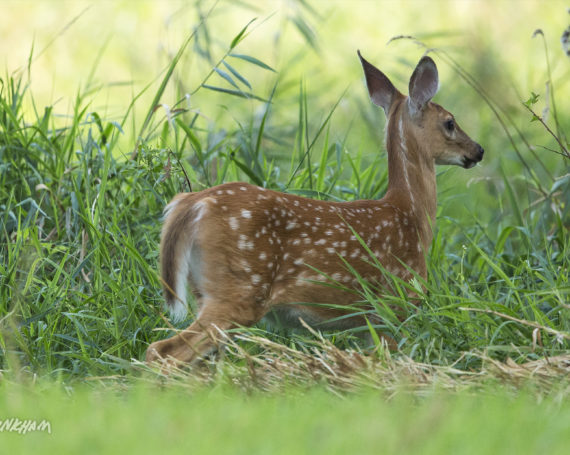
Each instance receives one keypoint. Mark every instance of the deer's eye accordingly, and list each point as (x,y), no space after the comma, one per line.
(449,125)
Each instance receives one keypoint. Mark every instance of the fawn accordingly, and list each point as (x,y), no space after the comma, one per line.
(247,251)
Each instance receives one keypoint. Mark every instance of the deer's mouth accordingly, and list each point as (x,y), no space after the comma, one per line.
(469,162)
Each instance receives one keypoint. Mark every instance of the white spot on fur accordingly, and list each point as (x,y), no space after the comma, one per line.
(234,224)
(244,243)
(245,266)
(245,213)
(291,225)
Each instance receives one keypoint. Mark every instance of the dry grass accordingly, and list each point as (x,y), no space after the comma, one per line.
(276,368)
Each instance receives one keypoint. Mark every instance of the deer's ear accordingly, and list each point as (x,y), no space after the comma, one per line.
(379,86)
(423,83)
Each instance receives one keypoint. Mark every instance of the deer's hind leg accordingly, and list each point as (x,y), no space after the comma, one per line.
(197,340)
(203,335)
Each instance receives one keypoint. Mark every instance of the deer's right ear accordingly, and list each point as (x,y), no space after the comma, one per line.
(423,83)
(379,86)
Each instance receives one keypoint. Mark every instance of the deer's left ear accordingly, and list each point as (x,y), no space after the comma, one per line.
(423,83)
(381,90)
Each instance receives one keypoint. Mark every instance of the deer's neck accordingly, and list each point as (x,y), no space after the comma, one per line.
(411,174)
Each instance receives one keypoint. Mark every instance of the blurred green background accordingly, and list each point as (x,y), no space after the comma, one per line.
(111,50)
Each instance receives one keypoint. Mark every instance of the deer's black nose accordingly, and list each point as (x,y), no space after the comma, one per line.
(480,152)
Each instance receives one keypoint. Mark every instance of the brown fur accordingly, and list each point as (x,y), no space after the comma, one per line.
(254,250)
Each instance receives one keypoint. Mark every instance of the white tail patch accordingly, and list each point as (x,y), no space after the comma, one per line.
(189,263)
(178,311)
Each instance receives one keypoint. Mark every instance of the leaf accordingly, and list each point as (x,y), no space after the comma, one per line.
(190,134)
(498,270)
(306,31)
(254,178)
(234,92)
(373,333)
(241,34)
(532,100)
(242,79)
(534,118)
(226,76)
(253,60)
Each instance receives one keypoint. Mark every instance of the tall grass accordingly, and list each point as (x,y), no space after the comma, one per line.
(80,220)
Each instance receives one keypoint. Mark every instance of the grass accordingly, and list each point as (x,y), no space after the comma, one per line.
(80,205)
(172,421)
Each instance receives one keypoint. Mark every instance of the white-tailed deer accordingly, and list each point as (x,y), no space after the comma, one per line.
(246,251)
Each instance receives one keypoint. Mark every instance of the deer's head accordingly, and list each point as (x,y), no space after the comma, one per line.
(431,128)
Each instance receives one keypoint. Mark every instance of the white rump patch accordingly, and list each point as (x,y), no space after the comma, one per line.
(200,209)
(170,208)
